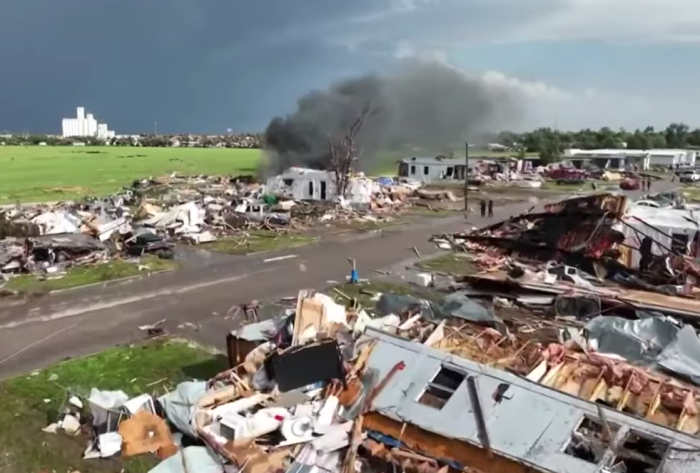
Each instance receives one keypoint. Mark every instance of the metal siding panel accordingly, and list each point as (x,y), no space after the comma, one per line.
(383,358)
(451,418)
(532,426)
(533,423)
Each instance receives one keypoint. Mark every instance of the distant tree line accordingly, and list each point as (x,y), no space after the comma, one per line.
(245,140)
(549,144)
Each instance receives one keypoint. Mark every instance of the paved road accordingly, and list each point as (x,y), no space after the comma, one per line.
(36,333)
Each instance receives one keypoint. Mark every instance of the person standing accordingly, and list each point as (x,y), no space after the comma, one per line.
(483,208)
(648,184)
(490,208)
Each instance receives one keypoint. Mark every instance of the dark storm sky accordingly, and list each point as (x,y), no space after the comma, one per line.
(198,66)
(203,65)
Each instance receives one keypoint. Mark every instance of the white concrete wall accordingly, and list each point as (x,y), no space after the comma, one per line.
(308,186)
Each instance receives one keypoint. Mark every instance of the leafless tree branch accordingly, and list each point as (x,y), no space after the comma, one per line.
(344,153)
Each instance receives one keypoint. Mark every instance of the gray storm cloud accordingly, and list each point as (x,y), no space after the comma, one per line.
(425,105)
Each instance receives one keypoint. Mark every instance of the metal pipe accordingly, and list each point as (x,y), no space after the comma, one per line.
(478,415)
(466,178)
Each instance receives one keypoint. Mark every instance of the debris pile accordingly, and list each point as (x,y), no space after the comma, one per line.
(296,395)
(362,389)
(153,214)
(554,336)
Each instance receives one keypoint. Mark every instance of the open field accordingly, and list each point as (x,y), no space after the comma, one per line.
(53,173)
(33,401)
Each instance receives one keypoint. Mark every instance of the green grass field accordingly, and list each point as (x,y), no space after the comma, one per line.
(51,173)
(54,173)
(33,401)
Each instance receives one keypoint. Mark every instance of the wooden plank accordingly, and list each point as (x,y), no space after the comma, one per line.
(436,446)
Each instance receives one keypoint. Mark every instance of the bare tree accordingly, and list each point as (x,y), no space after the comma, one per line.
(344,153)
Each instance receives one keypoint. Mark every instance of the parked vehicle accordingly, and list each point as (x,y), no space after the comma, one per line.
(567,174)
(690,176)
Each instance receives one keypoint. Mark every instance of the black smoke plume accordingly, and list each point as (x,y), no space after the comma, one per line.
(423,105)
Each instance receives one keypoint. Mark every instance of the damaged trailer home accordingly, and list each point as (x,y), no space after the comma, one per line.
(571,231)
(492,421)
(604,236)
(668,231)
(311,184)
(412,386)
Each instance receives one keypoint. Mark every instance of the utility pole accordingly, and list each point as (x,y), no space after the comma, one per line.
(466,178)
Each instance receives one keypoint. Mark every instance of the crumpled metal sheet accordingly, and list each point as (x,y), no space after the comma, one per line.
(454,305)
(682,355)
(640,340)
(70,242)
(657,342)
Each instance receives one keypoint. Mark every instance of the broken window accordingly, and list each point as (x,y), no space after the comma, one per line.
(426,170)
(679,244)
(441,388)
(590,440)
(288,182)
(640,453)
(450,171)
(413,170)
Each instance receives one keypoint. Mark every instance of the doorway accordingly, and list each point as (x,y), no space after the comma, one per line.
(323,190)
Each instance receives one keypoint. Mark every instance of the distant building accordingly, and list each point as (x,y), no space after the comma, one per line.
(641,158)
(432,169)
(84,126)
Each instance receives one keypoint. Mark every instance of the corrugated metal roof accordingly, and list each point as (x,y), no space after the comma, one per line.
(531,425)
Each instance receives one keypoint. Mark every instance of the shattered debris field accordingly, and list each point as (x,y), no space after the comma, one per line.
(53,173)
(32,399)
(577,324)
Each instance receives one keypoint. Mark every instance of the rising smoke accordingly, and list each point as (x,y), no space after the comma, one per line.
(423,105)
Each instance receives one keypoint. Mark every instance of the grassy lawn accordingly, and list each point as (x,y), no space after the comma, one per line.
(51,173)
(31,402)
(255,242)
(367,226)
(691,193)
(457,264)
(84,275)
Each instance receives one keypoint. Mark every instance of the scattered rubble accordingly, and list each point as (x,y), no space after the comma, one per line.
(573,329)
(153,214)
(426,386)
